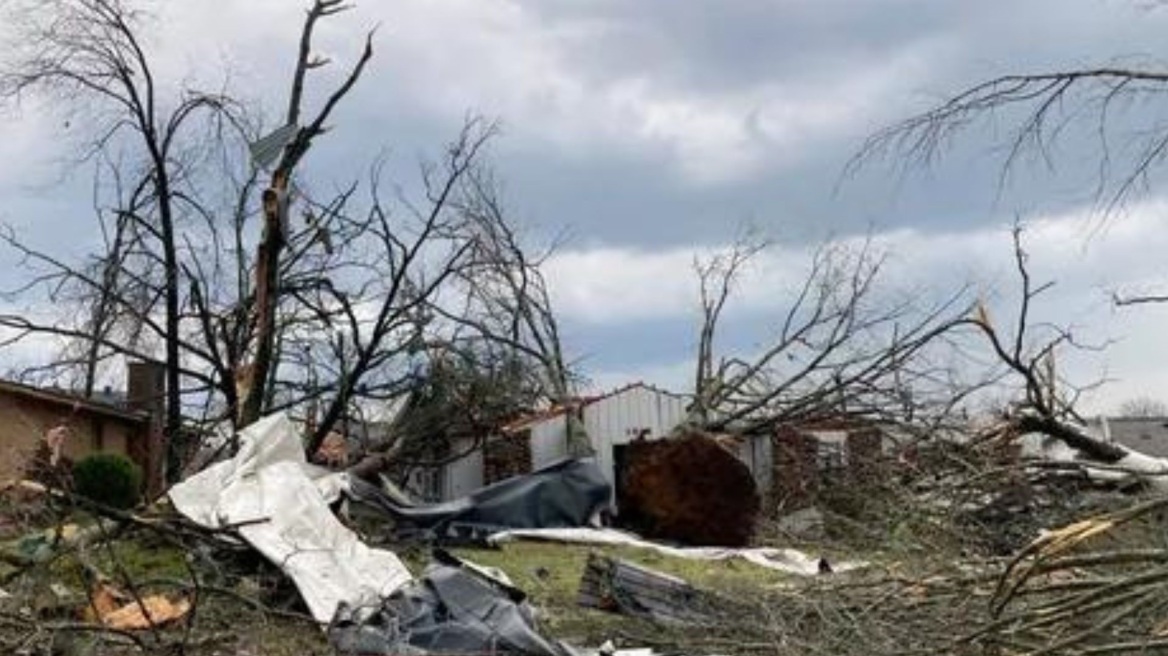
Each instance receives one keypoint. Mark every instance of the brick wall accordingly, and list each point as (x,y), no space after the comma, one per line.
(801,470)
(505,456)
(866,461)
(795,477)
(24,422)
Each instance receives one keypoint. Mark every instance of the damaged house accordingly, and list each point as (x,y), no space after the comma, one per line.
(788,464)
(610,420)
(808,456)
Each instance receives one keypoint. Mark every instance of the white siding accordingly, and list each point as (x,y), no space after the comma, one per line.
(462,476)
(549,441)
(620,418)
(615,419)
(757,452)
(425,484)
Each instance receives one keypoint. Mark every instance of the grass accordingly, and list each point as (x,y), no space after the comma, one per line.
(550,574)
(224,623)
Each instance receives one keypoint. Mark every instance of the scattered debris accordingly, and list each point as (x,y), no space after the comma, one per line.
(619,586)
(790,561)
(268,491)
(805,524)
(118,610)
(688,489)
(452,609)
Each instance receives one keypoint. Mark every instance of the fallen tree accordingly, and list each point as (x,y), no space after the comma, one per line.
(1047,403)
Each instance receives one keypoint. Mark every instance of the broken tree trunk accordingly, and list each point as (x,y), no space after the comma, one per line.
(1115,460)
(688,489)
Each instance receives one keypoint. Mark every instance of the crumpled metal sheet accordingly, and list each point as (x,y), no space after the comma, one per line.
(452,609)
(279,505)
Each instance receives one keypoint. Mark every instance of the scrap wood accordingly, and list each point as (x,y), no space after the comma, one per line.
(104,599)
(115,609)
(153,611)
(23,485)
(616,585)
(1037,556)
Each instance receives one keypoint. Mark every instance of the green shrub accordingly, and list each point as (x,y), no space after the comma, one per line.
(108,478)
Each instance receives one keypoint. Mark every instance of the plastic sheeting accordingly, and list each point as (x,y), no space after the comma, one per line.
(569,493)
(279,505)
(791,561)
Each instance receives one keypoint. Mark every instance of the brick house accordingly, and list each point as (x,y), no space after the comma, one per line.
(100,424)
(810,455)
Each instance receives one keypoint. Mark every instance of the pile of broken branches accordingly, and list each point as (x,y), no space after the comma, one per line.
(78,577)
(1095,586)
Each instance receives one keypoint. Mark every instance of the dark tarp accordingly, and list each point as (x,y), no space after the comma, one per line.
(453,609)
(566,494)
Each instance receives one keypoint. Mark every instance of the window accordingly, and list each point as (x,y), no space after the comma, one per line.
(831,451)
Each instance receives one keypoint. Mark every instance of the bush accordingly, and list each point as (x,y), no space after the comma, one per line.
(109,479)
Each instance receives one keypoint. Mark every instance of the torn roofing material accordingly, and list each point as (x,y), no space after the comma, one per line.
(269,493)
(452,609)
(566,494)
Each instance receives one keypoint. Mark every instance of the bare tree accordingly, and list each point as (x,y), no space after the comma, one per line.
(1106,107)
(1144,407)
(336,306)
(716,278)
(491,339)
(1044,109)
(1046,403)
(276,203)
(507,306)
(840,349)
(1029,352)
(89,52)
(1098,100)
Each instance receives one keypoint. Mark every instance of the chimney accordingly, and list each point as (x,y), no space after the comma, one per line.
(146,392)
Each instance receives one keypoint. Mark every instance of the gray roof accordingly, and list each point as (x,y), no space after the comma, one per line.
(1148,435)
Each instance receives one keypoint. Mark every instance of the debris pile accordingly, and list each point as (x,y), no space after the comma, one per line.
(1094,586)
(565,494)
(452,609)
(619,586)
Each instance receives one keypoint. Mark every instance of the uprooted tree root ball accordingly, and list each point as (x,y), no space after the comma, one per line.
(690,490)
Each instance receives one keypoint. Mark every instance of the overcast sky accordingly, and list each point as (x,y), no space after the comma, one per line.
(648,131)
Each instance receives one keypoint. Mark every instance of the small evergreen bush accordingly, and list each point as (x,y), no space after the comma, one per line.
(110,479)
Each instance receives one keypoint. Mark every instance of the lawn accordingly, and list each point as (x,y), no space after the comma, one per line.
(550,574)
(247,608)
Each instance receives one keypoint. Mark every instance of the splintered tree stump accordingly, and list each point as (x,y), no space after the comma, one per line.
(688,489)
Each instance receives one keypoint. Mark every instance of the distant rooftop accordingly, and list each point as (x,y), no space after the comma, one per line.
(107,403)
(1148,435)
